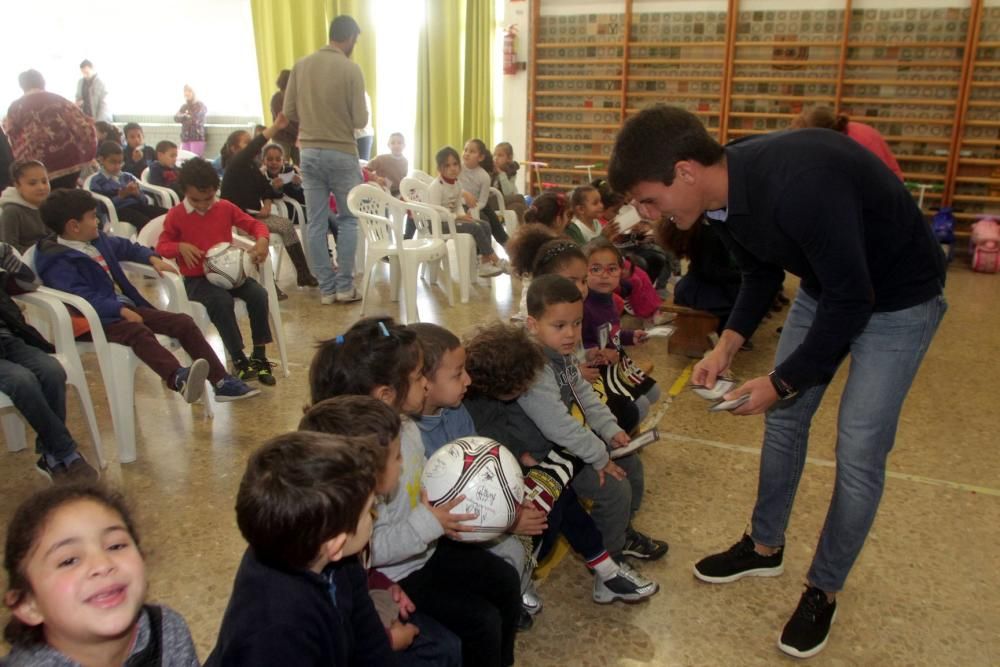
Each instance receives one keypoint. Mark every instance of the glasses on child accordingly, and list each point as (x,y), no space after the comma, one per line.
(610,269)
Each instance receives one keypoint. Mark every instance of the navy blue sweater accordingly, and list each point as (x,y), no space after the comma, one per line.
(288,617)
(821,206)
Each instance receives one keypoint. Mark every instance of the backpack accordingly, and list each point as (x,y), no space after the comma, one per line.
(986,246)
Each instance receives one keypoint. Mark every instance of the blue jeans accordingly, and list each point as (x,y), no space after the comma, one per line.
(885,357)
(435,646)
(36,384)
(324,171)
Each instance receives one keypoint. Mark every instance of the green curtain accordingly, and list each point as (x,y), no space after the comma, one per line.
(285,31)
(439,81)
(477,116)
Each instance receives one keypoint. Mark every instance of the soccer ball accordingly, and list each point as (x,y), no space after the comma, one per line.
(487,474)
(224,266)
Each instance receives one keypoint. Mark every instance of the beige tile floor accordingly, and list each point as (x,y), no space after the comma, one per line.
(923,591)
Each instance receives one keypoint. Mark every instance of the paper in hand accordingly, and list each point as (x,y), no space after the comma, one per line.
(635,444)
(722,387)
(286,177)
(662,331)
(627,218)
(723,406)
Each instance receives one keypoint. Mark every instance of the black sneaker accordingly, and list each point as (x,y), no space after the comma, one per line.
(807,630)
(262,367)
(245,371)
(524,620)
(642,546)
(77,470)
(739,561)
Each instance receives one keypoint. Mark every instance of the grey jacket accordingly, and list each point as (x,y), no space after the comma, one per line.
(98,98)
(20,223)
(405,533)
(558,392)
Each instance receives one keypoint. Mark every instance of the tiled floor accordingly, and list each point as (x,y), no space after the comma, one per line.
(923,591)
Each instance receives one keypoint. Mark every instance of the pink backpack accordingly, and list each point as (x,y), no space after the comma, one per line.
(986,246)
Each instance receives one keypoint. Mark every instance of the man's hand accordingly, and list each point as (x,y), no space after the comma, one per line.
(281,122)
(401,635)
(162,266)
(530,521)
(718,360)
(130,315)
(762,396)
(259,252)
(403,601)
(612,469)
(452,523)
(190,254)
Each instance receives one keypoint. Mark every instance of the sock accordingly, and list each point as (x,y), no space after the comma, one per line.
(66,460)
(258,352)
(603,566)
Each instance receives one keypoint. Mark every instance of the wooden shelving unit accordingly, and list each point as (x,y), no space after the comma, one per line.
(928,78)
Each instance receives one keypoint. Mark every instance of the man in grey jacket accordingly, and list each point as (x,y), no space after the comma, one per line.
(91,94)
(326,97)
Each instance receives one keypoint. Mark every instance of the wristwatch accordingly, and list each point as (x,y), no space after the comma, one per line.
(783,389)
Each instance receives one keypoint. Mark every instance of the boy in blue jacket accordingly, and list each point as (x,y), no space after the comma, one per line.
(83,261)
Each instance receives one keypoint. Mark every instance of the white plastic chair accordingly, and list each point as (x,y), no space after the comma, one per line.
(184,155)
(382,218)
(117,362)
(48,314)
(506,215)
(116,227)
(165,197)
(178,301)
(421,176)
(413,190)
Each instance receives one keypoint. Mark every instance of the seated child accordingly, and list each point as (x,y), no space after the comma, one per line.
(445,419)
(474,179)
(391,166)
(502,362)
(82,260)
(586,205)
(122,187)
(34,381)
(194,226)
(465,587)
(568,412)
(77,586)
(636,243)
(138,155)
(504,175)
(248,188)
(277,171)
(20,224)
(299,596)
(416,637)
(163,170)
(623,379)
(446,192)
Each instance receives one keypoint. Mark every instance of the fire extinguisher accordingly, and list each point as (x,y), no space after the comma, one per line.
(509,50)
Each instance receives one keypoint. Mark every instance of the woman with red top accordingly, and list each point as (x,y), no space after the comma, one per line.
(866,135)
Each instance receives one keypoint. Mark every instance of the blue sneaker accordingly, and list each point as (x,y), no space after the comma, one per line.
(233,389)
(190,382)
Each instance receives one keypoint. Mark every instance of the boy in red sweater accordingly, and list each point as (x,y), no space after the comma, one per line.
(194,226)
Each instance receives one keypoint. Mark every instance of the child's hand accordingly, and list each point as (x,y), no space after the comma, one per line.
(277,183)
(469,200)
(452,523)
(611,230)
(612,469)
(639,336)
(190,254)
(136,153)
(281,121)
(131,189)
(620,440)
(528,461)
(265,209)
(403,601)
(296,179)
(590,373)
(130,315)
(161,265)
(259,252)
(530,521)
(401,635)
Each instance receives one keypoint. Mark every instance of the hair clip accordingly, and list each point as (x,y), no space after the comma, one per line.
(384,329)
(339,340)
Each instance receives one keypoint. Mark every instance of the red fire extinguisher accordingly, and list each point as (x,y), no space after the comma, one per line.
(509,50)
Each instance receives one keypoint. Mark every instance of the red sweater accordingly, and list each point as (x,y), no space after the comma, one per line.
(204,231)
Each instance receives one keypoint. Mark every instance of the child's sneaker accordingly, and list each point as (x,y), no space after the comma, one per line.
(233,389)
(530,601)
(244,371)
(627,586)
(489,269)
(642,546)
(74,468)
(190,382)
(262,367)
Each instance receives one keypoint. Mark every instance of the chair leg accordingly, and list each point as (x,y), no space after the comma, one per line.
(121,396)
(444,275)
(88,411)
(409,275)
(394,271)
(13,430)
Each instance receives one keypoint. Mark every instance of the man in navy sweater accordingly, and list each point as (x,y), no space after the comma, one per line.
(818,205)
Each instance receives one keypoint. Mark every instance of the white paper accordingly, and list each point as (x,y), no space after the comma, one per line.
(730,405)
(721,388)
(636,443)
(628,217)
(287,177)
(662,331)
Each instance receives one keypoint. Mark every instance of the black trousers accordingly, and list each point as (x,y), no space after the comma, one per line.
(219,304)
(474,594)
(139,214)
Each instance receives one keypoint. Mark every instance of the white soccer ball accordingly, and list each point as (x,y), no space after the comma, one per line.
(224,266)
(487,474)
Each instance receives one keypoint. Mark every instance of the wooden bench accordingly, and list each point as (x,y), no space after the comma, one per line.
(693,328)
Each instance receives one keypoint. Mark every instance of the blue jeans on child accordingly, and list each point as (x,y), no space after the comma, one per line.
(885,357)
(36,384)
(324,171)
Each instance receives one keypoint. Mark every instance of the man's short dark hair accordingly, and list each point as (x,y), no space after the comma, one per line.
(550,290)
(31,79)
(165,145)
(502,359)
(199,174)
(300,490)
(63,205)
(109,148)
(435,341)
(86,63)
(366,420)
(343,28)
(653,141)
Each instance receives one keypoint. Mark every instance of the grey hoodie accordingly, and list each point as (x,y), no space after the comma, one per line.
(20,223)
(559,392)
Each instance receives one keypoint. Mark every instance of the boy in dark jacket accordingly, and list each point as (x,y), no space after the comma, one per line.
(83,261)
(300,595)
(34,381)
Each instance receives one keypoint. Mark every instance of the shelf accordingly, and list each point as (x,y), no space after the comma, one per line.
(589,142)
(852,62)
(918,176)
(573,156)
(577,45)
(903,119)
(676,61)
(683,45)
(910,101)
(921,158)
(981,142)
(977,198)
(978,160)
(703,114)
(983,123)
(578,91)
(672,94)
(984,84)
(577,126)
(917,139)
(643,77)
(578,109)
(797,63)
(569,77)
(743,131)
(578,172)
(784,79)
(931,83)
(973,179)
(761,114)
(579,61)
(780,98)
(903,45)
(742,44)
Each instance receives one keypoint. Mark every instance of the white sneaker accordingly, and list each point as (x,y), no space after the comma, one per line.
(349,297)
(327,299)
(505,266)
(628,586)
(530,601)
(489,270)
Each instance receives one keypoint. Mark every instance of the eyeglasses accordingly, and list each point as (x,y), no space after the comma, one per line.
(610,269)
